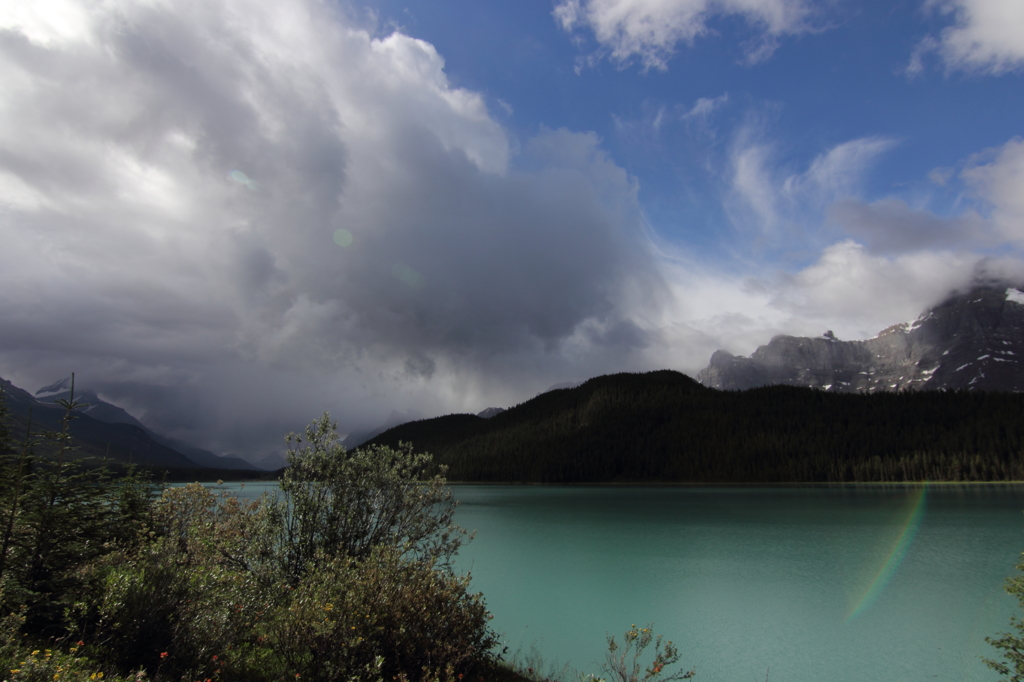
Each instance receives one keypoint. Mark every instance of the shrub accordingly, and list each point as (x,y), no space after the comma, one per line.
(22,662)
(1011,645)
(346,578)
(185,597)
(345,503)
(385,613)
(623,662)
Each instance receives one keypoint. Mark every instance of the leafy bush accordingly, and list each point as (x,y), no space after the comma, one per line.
(21,662)
(346,578)
(624,665)
(181,598)
(344,503)
(1011,645)
(384,613)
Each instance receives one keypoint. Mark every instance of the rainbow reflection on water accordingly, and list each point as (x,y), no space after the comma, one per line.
(914,507)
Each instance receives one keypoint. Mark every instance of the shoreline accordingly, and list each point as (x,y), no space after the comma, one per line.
(682,484)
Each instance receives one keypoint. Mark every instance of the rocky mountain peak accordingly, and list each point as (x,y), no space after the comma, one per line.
(972,340)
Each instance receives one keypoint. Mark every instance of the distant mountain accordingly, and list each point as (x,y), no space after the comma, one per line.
(270,462)
(357,438)
(665,427)
(122,443)
(103,430)
(490,412)
(971,341)
(106,412)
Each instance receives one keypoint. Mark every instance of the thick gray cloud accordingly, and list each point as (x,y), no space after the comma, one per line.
(890,226)
(231,215)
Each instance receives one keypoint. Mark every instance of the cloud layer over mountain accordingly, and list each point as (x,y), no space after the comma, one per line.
(230,215)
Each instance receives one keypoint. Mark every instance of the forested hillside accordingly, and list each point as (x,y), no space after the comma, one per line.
(664,426)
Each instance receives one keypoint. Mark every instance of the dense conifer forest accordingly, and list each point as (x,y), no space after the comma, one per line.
(665,427)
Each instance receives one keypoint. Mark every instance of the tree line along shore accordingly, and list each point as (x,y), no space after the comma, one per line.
(665,427)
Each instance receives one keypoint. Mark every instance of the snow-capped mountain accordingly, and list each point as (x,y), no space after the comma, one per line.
(972,341)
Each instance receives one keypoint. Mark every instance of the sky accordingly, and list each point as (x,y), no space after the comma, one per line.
(228,216)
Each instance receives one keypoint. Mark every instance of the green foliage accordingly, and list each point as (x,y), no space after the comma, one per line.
(22,661)
(345,503)
(624,664)
(346,578)
(383,612)
(185,595)
(1011,645)
(56,515)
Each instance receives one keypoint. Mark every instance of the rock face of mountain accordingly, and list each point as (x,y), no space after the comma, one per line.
(972,341)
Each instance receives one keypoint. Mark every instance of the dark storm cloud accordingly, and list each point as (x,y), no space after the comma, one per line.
(229,216)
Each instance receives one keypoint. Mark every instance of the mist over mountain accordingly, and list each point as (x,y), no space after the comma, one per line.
(973,340)
(104,430)
(357,438)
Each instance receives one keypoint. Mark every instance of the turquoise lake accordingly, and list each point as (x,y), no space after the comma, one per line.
(796,584)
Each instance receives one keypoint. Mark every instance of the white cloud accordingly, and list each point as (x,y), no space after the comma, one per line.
(857,294)
(705,106)
(846,289)
(755,187)
(838,172)
(232,214)
(651,29)
(771,200)
(997,177)
(985,37)
(46,22)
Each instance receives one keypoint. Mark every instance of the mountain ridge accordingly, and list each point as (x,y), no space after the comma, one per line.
(972,340)
(106,431)
(662,427)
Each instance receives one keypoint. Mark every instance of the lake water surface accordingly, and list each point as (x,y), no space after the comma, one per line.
(796,584)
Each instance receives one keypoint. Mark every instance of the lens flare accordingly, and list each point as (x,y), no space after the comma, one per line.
(342,237)
(407,275)
(912,521)
(242,179)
